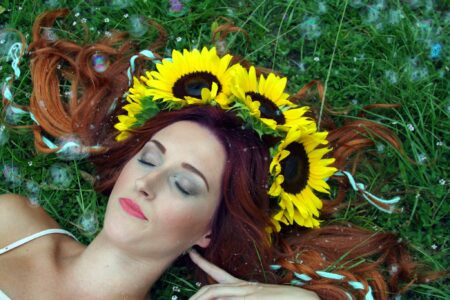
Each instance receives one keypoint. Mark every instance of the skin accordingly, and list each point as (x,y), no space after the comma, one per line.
(130,254)
(231,288)
(161,175)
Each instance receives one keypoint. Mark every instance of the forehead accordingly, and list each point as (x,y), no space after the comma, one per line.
(189,142)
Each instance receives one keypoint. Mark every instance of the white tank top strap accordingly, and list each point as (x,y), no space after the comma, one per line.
(32,237)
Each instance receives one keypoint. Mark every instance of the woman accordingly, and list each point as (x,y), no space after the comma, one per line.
(163,203)
(229,169)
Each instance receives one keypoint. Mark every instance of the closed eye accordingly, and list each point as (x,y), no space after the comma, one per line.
(182,190)
(179,187)
(146,162)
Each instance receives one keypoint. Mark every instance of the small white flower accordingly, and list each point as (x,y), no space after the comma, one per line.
(421,158)
(174,297)
(30,163)
(125,16)
(74,23)
(176,288)
(108,34)
(434,246)
(20,7)
(355,101)
(179,39)
(316,58)
(393,269)
(410,127)
(106,20)
(442,181)
(439,144)
(77,14)
(83,20)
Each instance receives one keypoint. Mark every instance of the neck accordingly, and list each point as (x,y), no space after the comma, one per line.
(103,271)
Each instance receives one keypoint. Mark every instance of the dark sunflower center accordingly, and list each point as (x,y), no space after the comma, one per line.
(295,169)
(192,84)
(268,109)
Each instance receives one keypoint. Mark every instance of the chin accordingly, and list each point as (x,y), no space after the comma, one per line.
(120,228)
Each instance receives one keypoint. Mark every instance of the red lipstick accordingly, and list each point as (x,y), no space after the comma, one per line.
(132,208)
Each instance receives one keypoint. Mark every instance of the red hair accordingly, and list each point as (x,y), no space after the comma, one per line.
(239,244)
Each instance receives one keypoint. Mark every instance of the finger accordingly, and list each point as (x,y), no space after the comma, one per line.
(225,291)
(212,270)
(213,291)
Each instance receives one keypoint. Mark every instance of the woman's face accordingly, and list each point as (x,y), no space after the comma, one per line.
(166,196)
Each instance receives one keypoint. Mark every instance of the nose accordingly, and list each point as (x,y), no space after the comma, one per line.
(146,188)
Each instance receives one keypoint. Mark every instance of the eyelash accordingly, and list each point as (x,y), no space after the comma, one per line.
(183,191)
(145,162)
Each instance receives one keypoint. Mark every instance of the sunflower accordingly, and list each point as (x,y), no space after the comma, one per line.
(140,107)
(266,100)
(125,123)
(192,77)
(298,168)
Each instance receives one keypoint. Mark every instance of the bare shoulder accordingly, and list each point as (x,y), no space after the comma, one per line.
(19,218)
(11,206)
(12,201)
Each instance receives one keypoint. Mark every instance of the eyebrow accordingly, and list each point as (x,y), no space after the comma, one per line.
(160,146)
(184,165)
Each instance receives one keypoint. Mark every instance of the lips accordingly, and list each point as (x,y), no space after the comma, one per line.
(132,208)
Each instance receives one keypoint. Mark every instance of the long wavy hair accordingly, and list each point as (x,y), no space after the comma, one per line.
(239,243)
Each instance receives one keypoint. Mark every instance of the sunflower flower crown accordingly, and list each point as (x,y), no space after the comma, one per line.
(298,167)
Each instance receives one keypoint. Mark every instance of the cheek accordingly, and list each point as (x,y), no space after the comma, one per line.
(187,220)
(124,181)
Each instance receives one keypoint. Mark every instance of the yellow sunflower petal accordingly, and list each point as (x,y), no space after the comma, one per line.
(122,136)
(133,108)
(287,201)
(275,188)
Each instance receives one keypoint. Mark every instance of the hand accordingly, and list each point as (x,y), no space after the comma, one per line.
(232,288)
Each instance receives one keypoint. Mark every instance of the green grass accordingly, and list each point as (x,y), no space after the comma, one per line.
(372,60)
